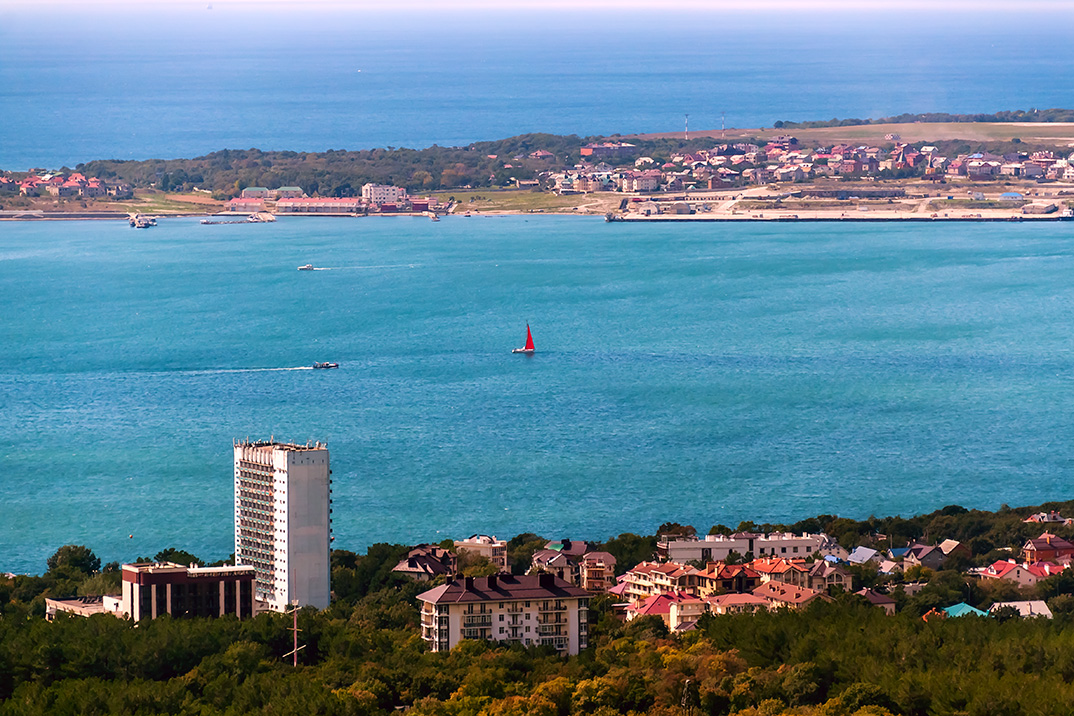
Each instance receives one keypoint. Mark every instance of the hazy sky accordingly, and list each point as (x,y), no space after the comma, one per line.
(968,6)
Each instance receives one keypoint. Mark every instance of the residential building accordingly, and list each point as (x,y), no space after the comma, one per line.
(674,608)
(1010,571)
(788,596)
(933,556)
(378,194)
(256,192)
(426,561)
(525,609)
(863,555)
(607,149)
(597,572)
(721,578)
(492,549)
(1048,548)
(557,563)
(877,599)
(1026,609)
(826,576)
(716,548)
(963,610)
(786,571)
(736,603)
(153,589)
(283,521)
(650,578)
(290,192)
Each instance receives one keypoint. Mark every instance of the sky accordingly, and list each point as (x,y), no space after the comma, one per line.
(411,6)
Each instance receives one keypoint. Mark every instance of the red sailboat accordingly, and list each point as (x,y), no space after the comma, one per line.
(528,350)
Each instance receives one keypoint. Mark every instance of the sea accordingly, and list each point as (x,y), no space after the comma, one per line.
(699,373)
(84,81)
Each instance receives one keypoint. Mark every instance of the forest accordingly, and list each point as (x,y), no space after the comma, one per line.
(363,655)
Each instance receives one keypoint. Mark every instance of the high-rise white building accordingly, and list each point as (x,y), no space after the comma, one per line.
(283,521)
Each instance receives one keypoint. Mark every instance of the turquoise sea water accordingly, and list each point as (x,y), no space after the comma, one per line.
(162,80)
(698,373)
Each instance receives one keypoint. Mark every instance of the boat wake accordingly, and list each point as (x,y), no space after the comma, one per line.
(217,371)
(367,268)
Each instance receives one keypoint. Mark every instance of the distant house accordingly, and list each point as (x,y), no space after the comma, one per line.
(788,596)
(719,578)
(256,192)
(933,556)
(1026,609)
(1051,517)
(245,205)
(1047,548)
(425,562)
(552,562)
(542,155)
(825,575)
(607,149)
(877,599)
(686,607)
(596,571)
(290,192)
(492,549)
(736,603)
(863,555)
(963,610)
(1010,571)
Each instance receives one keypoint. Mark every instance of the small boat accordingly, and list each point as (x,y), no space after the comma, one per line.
(323,366)
(528,349)
(307,267)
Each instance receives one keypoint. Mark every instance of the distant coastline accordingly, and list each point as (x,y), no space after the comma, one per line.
(915,167)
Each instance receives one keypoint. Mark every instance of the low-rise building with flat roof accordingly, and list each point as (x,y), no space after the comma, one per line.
(151,589)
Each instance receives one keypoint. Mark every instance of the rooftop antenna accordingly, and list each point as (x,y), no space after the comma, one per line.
(686,136)
(294,652)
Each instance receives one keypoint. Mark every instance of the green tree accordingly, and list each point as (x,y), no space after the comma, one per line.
(74,557)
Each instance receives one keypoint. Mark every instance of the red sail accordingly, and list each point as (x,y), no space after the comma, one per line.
(529,338)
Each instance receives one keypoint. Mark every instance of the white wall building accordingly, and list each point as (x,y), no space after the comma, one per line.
(492,549)
(382,193)
(528,610)
(283,521)
(715,548)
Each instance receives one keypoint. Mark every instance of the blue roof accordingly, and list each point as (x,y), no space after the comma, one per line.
(962,609)
(1011,194)
(897,552)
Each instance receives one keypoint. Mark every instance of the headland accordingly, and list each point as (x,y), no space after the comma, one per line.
(912,168)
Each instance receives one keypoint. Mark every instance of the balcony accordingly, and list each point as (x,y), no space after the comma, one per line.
(477,620)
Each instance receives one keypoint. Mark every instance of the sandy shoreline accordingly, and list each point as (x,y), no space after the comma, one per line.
(766,216)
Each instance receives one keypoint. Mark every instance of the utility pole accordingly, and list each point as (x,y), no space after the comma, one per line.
(686,137)
(723,121)
(295,630)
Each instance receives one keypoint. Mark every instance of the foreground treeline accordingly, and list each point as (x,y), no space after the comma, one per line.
(365,658)
(364,654)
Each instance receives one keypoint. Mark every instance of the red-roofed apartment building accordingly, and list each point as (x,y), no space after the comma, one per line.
(524,609)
